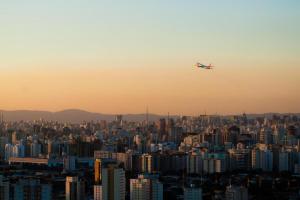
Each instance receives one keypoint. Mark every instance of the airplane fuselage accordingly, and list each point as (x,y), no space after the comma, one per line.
(199,65)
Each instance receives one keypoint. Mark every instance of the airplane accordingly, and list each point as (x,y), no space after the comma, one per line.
(199,65)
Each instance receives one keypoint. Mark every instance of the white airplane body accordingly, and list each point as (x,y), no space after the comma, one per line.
(199,65)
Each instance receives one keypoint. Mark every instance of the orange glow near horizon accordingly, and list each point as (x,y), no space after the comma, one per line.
(174,89)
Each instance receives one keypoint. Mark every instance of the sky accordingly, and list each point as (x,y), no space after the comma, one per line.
(123,56)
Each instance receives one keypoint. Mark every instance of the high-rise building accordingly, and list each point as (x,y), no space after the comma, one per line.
(139,143)
(146,187)
(140,189)
(212,165)
(265,136)
(232,134)
(236,193)
(283,161)
(8,151)
(192,193)
(49,147)
(157,190)
(1,118)
(75,188)
(162,126)
(32,189)
(36,149)
(4,188)
(262,158)
(14,138)
(194,163)
(3,142)
(239,158)
(119,120)
(97,192)
(113,183)
(69,163)
(17,150)
(146,161)
(97,171)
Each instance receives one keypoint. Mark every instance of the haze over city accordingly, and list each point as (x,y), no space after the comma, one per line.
(121,57)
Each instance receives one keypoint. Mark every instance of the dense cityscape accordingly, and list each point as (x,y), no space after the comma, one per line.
(200,157)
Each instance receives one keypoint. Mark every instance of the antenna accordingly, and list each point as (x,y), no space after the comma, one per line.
(147,118)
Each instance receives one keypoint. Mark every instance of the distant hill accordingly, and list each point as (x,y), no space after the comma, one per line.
(77,116)
(72,115)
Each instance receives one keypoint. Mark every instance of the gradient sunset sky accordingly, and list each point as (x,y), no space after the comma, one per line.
(122,56)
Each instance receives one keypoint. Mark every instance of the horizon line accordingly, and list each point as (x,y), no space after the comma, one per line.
(159,114)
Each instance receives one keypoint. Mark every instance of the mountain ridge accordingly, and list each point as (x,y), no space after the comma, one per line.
(79,115)
(72,115)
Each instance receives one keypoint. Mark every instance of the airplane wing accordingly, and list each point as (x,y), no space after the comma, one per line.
(199,65)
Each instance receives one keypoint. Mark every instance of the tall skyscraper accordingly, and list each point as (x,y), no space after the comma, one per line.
(97,170)
(75,188)
(113,183)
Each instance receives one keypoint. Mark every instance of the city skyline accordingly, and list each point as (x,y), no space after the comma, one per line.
(122,57)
